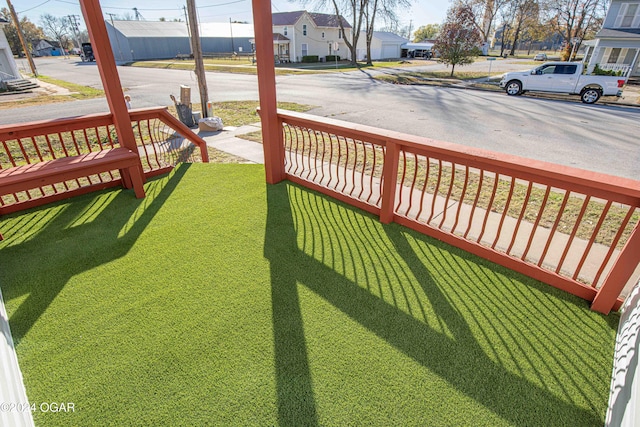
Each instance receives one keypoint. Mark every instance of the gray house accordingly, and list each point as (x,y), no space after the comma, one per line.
(141,40)
(617,45)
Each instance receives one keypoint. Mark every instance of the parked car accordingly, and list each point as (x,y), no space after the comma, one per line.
(540,57)
(563,77)
(87,53)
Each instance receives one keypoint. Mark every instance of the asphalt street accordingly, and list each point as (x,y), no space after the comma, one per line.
(594,137)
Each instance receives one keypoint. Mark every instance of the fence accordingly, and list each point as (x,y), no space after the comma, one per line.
(162,140)
(570,228)
(625,69)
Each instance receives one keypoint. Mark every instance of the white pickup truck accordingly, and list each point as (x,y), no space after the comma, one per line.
(563,77)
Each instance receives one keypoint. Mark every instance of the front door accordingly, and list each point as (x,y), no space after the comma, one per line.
(542,78)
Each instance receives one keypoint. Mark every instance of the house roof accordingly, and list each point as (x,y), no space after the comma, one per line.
(414,46)
(385,36)
(161,29)
(608,33)
(319,19)
(277,37)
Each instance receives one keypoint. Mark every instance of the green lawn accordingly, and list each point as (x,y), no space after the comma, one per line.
(219,300)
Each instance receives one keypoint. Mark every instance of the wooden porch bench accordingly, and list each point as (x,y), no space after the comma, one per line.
(27,177)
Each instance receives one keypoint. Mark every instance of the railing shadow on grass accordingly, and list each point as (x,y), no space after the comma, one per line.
(114,221)
(520,390)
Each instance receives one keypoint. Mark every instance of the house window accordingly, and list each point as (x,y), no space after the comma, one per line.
(304,29)
(323,35)
(305,49)
(629,16)
(340,34)
(286,31)
(614,55)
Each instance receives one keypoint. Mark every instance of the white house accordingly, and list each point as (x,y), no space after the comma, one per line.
(8,67)
(617,44)
(301,33)
(384,45)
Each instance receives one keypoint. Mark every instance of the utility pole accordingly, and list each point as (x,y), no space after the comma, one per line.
(197,56)
(410,25)
(186,18)
(16,22)
(73,23)
(233,49)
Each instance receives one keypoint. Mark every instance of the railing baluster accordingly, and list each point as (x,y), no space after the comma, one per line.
(446,201)
(413,183)
(596,230)
(525,202)
(496,179)
(436,191)
(424,187)
(554,228)
(402,180)
(573,233)
(461,201)
(504,212)
(543,205)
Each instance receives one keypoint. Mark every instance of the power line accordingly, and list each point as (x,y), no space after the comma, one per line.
(35,7)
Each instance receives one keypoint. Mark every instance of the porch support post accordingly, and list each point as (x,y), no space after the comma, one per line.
(97,29)
(272,140)
(619,274)
(389,182)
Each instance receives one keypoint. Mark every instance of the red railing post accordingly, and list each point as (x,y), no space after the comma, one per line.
(389,182)
(108,73)
(272,140)
(622,270)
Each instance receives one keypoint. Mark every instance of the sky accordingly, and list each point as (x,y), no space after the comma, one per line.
(422,12)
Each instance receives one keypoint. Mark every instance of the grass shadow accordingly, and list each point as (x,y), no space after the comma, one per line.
(77,237)
(513,345)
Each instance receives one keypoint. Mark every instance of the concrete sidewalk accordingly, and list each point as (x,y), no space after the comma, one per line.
(227,141)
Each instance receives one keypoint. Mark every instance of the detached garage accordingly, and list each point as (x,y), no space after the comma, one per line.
(384,45)
(141,40)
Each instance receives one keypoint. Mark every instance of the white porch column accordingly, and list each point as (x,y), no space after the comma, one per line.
(596,57)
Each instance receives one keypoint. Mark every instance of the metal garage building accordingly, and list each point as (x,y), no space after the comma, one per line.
(140,40)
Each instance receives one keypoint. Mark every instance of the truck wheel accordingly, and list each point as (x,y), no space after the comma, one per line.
(590,96)
(514,87)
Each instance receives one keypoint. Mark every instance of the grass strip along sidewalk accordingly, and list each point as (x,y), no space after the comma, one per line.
(221,300)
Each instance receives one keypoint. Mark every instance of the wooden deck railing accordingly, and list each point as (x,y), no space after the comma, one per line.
(162,140)
(573,229)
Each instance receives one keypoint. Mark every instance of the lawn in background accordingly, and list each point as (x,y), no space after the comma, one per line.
(220,300)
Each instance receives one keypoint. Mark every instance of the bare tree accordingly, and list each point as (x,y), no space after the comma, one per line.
(575,19)
(459,37)
(384,9)
(526,11)
(485,13)
(57,29)
(362,15)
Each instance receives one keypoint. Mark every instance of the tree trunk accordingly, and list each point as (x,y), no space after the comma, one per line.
(453,67)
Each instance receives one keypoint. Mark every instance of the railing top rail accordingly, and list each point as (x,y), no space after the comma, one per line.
(616,188)
(41,127)
(163,114)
